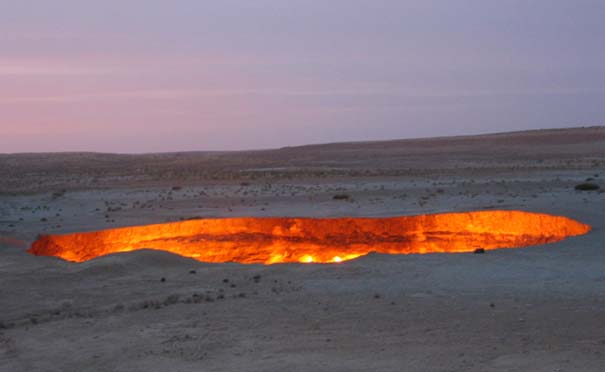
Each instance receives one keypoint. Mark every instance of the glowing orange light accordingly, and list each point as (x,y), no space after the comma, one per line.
(317,240)
(306,259)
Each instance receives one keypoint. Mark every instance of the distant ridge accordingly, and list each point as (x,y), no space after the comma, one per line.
(455,137)
(521,151)
(546,131)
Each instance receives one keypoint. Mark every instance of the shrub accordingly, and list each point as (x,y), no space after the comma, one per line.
(341,197)
(587,186)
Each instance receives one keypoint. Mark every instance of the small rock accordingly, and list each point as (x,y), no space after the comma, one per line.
(479,251)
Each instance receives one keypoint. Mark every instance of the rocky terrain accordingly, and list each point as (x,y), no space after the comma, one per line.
(539,308)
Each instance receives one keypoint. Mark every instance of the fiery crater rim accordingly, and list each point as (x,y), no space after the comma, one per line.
(271,240)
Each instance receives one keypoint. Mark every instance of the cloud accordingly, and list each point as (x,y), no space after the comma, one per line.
(39,67)
(183,94)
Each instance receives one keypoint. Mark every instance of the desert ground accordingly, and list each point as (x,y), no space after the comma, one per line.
(540,308)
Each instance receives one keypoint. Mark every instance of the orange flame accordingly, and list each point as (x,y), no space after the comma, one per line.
(318,240)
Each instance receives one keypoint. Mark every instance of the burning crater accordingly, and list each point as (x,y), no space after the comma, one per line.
(321,240)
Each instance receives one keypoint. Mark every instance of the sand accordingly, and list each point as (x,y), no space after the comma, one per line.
(540,308)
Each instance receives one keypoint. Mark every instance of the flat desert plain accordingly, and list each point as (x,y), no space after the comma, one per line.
(540,308)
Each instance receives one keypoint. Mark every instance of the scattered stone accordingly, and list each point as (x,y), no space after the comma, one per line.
(163,279)
(256,278)
(171,300)
(192,272)
(58,194)
(479,251)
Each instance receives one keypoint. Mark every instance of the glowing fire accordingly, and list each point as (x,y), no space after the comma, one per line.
(307,240)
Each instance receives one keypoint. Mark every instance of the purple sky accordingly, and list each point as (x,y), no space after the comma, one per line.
(146,76)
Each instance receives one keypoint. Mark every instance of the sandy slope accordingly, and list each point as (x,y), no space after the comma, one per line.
(538,309)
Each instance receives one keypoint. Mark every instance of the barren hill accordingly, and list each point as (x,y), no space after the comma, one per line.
(570,148)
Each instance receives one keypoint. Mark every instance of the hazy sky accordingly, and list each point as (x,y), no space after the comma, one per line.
(145,75)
